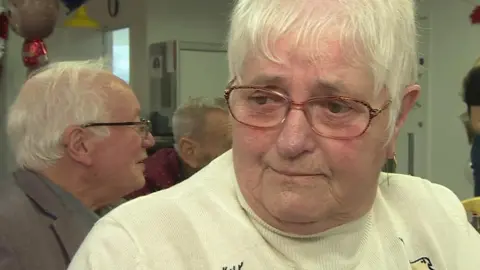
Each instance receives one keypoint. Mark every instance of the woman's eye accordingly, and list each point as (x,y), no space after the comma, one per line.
(337,107)
(259,99)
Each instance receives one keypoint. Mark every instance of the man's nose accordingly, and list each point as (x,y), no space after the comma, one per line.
(148,141)
(296,136)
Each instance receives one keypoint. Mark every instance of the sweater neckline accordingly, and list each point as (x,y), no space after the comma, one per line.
(337,248)
(349,227)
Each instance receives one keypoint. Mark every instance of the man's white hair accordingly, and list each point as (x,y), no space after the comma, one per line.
(189,119)
(381,33)
(53,98)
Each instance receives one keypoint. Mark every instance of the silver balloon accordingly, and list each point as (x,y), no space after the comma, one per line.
(33,19)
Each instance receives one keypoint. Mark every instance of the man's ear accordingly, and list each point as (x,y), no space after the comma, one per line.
(78,144)
(409,100)
(187,149)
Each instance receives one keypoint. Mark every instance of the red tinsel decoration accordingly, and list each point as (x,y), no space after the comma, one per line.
(475,16)
(3,33)
(34,53)
(3,25)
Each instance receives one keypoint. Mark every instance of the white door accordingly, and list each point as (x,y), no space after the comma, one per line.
(412,145)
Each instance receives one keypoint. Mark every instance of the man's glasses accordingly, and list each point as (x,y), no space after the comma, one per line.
(329,116)
(143,127)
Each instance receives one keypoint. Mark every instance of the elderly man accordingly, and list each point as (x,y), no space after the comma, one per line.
(319,91)
(201,130)
(79,142)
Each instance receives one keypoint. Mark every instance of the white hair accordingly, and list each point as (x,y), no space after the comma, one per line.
(189,119)
(53,98)
(381,33)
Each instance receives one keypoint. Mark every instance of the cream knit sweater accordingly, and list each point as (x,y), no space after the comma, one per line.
(204,223)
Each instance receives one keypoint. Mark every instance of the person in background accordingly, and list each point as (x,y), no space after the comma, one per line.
(319,92)
(79,144)
(201,131)
(471,88)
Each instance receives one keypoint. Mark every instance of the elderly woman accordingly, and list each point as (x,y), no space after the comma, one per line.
(319,91)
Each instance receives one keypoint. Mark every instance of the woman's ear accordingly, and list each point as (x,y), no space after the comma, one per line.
(408,102)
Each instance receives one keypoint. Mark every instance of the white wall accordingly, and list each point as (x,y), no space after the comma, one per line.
(12,74)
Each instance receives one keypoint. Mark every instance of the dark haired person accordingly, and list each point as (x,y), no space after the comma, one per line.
(471,87)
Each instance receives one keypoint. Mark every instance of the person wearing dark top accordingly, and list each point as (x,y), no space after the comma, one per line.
(162,170)
(201,130)
(471,87)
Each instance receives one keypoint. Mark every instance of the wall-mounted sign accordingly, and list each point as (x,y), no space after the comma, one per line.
(156,66)
(113,8)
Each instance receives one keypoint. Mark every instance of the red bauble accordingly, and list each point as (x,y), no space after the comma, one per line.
(34,53)
(475,16)
(3,33)
(3,25)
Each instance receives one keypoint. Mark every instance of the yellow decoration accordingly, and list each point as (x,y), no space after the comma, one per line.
(81,19)
(472,205)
